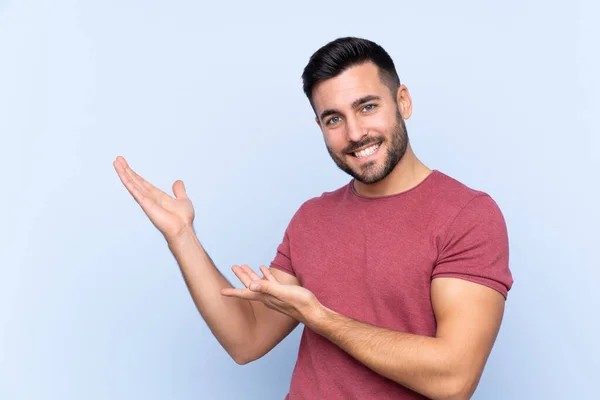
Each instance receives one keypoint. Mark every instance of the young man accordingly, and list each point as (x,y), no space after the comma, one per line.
(399,277)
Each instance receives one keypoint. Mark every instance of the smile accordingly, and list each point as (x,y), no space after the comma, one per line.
(366,152)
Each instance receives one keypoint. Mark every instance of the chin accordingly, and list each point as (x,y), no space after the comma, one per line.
(369,180)
(371,177)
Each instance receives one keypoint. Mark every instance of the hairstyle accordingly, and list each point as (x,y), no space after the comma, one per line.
(337,56)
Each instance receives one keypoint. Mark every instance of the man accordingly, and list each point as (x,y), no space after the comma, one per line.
(399,277)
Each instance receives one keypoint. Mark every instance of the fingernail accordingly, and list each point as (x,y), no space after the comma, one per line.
(254,286)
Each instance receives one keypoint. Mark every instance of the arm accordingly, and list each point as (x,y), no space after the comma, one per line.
(245,329)
(447,366)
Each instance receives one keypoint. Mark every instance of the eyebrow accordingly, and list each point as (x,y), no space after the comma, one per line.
(355,104)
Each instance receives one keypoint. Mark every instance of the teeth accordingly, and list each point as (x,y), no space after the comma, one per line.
(366,152)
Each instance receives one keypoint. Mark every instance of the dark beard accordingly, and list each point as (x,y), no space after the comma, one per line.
(370,173)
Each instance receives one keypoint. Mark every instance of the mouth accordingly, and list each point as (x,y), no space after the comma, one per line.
(365,152)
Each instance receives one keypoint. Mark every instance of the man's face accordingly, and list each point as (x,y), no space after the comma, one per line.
(361,122)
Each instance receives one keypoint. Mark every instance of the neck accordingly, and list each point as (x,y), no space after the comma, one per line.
(408,173)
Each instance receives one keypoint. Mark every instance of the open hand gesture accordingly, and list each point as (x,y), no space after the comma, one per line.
(292,300)
(170,215)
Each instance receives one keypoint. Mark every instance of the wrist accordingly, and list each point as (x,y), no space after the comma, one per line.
(317,318)
(185,235)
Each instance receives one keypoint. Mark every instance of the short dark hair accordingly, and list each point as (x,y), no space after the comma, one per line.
(337,56)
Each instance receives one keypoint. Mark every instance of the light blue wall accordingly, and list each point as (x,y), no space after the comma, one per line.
(92,304)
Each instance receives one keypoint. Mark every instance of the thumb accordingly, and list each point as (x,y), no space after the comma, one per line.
(179,190)
(263,287)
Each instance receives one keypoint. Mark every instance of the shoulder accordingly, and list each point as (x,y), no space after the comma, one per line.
(453,196)
(473,240)
(327,199)
(453,192)
(322,204)
(463,206)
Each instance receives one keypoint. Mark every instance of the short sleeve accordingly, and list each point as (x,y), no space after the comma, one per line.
(475,246)
(283,257)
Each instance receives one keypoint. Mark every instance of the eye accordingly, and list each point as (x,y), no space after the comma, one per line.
(333,120)
(369,107)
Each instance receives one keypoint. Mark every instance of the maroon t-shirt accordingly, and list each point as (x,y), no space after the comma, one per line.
(373,259)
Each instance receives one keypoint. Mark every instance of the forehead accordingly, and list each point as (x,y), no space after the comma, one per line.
(355,82)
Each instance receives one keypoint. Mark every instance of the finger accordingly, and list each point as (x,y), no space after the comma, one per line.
(121,160)
(251,272)
(267,274)
(134,180)
(158,195)
(247,273)
(264,287)
(129,183)
(243,293)
(145,186)
(242,275)
(126,174)
(179,190)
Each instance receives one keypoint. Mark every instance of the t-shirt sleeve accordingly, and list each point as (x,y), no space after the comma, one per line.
(475,246)
(283,257)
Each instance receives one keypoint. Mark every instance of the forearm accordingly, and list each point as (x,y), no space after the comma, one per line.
(421,363)
(231,320)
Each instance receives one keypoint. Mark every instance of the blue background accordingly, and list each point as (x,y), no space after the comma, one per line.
(92,304)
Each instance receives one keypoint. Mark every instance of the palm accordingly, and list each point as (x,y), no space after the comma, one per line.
(169,214)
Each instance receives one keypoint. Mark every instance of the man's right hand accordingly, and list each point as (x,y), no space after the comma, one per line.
(247,330)
(170,215)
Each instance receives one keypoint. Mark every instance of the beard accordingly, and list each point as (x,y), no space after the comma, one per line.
(370,172)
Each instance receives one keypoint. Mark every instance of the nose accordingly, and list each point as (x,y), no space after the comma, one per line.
(354,131)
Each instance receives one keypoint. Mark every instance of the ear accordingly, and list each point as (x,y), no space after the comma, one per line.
(404,102)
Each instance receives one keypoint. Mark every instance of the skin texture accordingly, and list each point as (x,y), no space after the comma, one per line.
(353,124)
(249,321)
(394,147)
(246,330)
(447,366)
(468,315)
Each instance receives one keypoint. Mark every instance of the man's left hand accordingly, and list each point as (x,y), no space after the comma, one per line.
(293,300)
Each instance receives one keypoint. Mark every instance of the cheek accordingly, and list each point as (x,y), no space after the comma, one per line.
(382,125)
(335,142)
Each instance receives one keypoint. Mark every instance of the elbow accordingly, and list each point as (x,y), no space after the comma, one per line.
(240,353)
(459,387)
(242,359)
(245,352)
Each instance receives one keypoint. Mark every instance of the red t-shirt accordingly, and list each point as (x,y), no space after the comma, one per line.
(373,259)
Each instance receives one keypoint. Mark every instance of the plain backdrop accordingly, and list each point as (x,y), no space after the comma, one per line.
(92,304)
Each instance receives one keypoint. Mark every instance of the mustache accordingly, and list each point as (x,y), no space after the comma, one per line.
(352,147)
